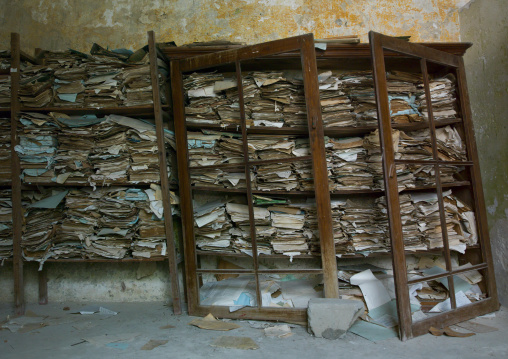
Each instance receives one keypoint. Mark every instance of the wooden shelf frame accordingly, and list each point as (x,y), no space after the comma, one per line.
(304,46)
(156,110)
(381,47)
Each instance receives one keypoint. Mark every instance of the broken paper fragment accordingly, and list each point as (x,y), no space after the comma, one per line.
(211,323)
(279,331)
(169,326)
(243,343)
(374,292)
(151,344)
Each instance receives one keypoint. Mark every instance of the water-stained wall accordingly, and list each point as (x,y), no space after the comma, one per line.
(485,24)
(62,24)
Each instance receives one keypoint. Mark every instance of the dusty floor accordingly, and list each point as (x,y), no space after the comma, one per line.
(124,334)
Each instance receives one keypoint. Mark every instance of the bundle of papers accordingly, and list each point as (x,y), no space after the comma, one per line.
(5,150)
(89,150)
(38,143)
(224,226)
(416,145)
(114,223)
(43,213)
(5,79)
(442,96)
(5,224)
(421,224)
(211,227)
(100,79)
(365,225)
(347,166)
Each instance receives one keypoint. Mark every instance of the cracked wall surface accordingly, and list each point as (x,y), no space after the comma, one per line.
(62,24)
(485,24)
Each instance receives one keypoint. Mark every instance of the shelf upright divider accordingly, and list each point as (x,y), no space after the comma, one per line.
(166,200)
(17,211)
(319,168)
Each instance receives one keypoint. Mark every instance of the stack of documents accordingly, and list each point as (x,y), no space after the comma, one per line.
(5,224)
(403,87)
(364,225)
(292,235)
(359,87)
(421,224)
(5,150)
(115,223)
(89,150)
(43,212)
(239,214)
(100,79)
(347,166)
(35,86)
(336,107)
(442,96)
(150,241)
(5,79)
(78,225)
(212,227)
(38,143)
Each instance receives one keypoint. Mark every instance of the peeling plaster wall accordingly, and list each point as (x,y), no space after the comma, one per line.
(485,23)
(60,24)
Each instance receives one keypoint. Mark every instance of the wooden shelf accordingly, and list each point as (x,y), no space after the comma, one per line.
(333,193)
(251,163)
(127,110)
(103,260)
(313,256)
(332,50)
(86,184)
(330,131)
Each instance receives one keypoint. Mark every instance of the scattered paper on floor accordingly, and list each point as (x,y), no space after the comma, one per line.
(243,343)
(211,323)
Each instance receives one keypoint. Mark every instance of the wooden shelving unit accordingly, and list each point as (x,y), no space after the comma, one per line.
(155,111)
(276,56)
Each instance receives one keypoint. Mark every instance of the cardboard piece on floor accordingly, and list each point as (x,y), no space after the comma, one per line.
(372,332)
(279,331)
(436,332)
(452,333)
(92,309)
(151,344)
(243,343)
(476,327)
(211,323)
(167,326)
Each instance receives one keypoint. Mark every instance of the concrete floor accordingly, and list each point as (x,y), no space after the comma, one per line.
(137,323)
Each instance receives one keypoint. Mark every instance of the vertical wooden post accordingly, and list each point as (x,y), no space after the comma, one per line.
(319,167)
(17,210)
(166,201)
(391,187)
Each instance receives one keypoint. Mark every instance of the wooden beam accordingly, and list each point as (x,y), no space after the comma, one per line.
(166,200)
(391,187)
(319,166)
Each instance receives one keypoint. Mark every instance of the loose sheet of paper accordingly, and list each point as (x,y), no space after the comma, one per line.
(374,292)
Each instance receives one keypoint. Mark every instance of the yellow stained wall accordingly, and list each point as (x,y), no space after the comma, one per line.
(62,24)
